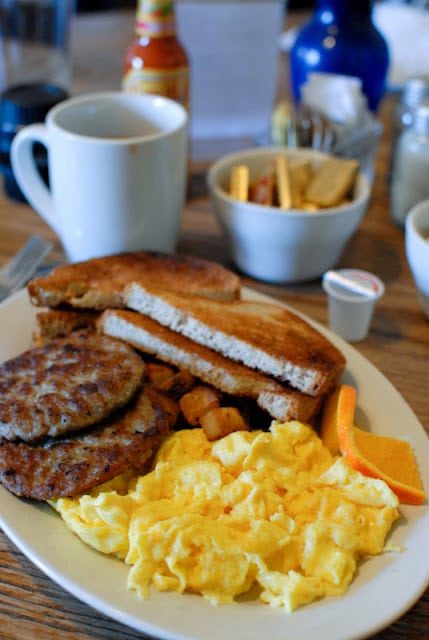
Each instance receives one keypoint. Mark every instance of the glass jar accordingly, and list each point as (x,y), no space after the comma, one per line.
(415,92)
(35,42)
(410,177)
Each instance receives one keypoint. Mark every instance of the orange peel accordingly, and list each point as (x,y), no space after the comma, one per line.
(385,458)
(389,459)
(338,412)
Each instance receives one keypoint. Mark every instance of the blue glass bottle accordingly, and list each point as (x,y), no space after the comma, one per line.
(341,38)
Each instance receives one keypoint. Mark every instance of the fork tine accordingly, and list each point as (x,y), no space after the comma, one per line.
(23,264)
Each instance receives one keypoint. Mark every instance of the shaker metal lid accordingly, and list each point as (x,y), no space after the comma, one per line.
(27,103)
(416,90)
(421,120)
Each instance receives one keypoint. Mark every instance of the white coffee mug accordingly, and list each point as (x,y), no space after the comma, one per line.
(117,172)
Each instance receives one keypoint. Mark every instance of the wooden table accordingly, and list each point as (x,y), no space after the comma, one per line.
(31,605)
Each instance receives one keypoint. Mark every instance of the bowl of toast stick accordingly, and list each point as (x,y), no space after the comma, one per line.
(287,214)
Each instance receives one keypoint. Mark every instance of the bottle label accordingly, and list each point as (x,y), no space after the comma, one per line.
(173,84)
(156,18)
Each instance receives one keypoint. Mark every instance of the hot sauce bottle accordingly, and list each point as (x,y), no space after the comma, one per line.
(155,61)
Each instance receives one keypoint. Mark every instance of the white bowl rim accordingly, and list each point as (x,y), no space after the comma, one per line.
(362,182)
(410,222)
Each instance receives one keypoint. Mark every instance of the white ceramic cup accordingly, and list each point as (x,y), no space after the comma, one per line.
(117,172)
(417,250)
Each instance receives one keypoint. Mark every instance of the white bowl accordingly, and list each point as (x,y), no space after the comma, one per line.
(417,250)
(279,246)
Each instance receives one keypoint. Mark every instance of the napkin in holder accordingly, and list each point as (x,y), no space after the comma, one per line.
(333,116)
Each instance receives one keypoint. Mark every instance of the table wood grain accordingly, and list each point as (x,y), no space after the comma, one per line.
(31,605)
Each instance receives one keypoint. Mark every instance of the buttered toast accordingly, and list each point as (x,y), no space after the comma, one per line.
(55,323)
(264,336)
(278,400)
(99,283)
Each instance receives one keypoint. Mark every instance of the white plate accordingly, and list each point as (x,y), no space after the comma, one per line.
(385,587)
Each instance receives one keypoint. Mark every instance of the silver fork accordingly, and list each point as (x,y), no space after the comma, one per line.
(23,265)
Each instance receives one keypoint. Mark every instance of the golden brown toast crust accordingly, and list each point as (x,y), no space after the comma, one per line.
(55,323)
(234,378)
(264,336)
(99,283)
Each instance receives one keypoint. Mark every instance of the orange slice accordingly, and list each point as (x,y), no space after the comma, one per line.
(338,412)
(388,459)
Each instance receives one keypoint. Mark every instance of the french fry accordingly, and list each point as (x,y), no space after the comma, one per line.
(300,173)
(309,206)
(294,183)
(283,182)
(239,185)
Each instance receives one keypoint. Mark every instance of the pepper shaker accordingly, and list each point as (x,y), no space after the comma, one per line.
(415,92)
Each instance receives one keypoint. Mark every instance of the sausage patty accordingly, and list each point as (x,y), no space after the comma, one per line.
(74,464)
(70,383)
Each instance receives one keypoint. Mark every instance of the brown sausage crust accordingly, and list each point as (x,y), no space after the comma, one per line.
(76,463)
(70,383)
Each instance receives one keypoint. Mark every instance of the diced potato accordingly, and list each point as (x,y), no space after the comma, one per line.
(220,421)
(177,385)
(197,402)
(157,373)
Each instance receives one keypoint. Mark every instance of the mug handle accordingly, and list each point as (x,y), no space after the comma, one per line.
(27,174)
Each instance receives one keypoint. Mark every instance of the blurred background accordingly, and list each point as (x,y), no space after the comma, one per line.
(97,5)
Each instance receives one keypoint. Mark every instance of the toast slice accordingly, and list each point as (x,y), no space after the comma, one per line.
(264,336)
(55,323)
(99,283)
(280,402)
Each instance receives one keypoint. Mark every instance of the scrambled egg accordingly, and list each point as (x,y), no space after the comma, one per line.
(271,511)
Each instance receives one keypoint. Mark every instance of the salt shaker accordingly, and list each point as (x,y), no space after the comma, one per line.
(410,183)
(415,92)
